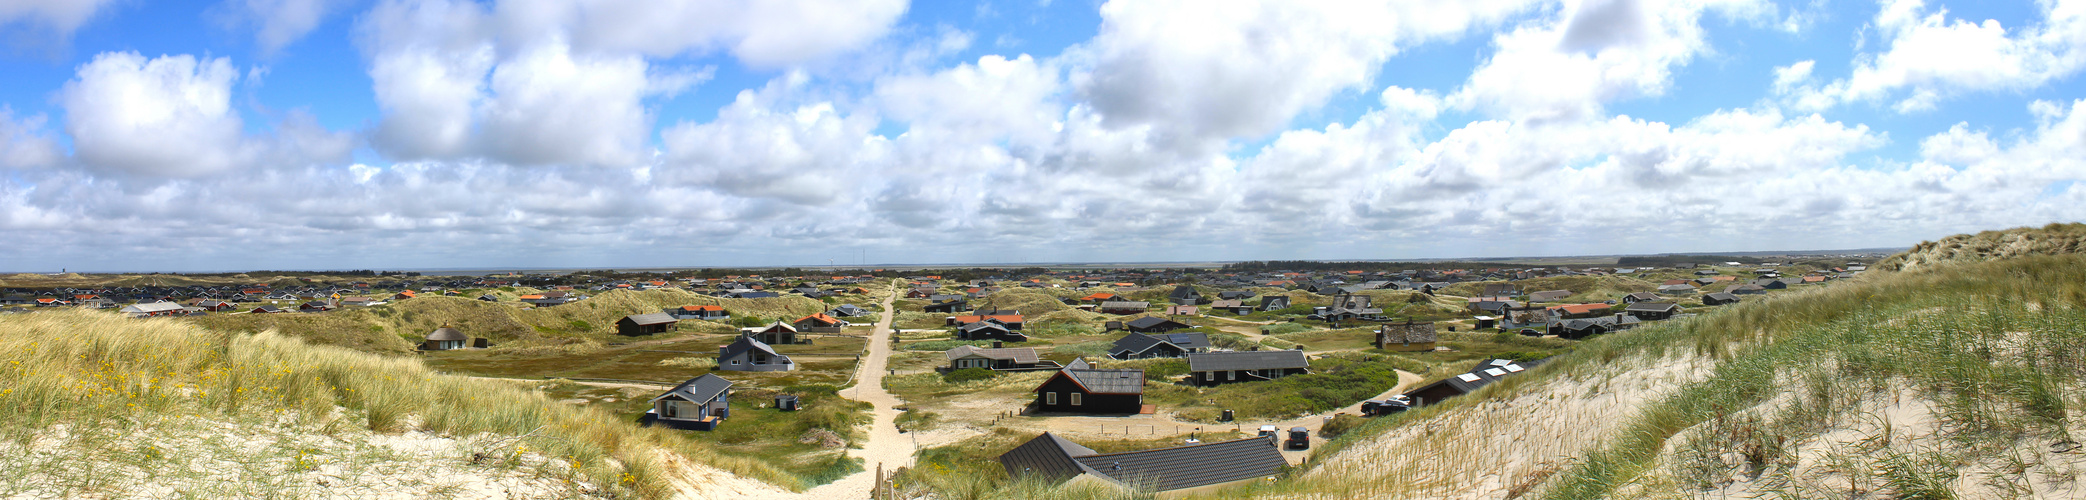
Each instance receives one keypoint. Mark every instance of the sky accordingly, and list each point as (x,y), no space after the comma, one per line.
(393,134)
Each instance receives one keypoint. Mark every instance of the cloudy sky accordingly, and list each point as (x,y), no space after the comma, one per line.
(332,134)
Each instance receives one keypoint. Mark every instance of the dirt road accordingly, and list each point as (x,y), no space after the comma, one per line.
(885,446)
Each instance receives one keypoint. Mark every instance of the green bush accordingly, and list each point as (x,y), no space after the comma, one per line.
(1340,424)
(1234,342)
(748,321)
(968,374)
(1282,328)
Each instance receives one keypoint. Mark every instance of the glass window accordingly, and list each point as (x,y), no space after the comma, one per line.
(1231,375)
(1050,398)
(1075,399)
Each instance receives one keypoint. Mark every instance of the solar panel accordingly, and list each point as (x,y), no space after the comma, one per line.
(1514,368)
(1468,377)
(1177,338)
(1496,372)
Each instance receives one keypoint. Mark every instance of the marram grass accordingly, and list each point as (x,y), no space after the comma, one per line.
(70,370)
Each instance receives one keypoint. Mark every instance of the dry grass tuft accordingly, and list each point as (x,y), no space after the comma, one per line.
(66,370)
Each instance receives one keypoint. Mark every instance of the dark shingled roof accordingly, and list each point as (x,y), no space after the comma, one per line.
(1139,342)
(1164,469)
(699,389)
(1151,321)
(1022,355)
(1130,381)
(1182,467)
(1248,360)
(746,343)
(1652,307)
(651,319)
(1048,456)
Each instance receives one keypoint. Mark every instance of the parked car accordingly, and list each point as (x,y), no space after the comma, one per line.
(1299,439)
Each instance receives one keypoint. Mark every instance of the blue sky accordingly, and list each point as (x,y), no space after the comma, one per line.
(240,134)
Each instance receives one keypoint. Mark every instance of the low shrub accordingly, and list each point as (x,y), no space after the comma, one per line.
(944,345)
(967,375)
(1340,424)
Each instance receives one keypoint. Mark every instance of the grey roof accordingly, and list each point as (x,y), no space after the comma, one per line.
(1724,296)
(746,343)
(848,309)
(1124,304)
(1548,295)
(1609,322)
(1652,307)
(1048,456)
(1138,342)
(1182,467)
(699,390)
(1643,296)
(1127,381)
(447,333)
(1246,360)
(1023,355)
(975,326)
(1151,321)
(651,319)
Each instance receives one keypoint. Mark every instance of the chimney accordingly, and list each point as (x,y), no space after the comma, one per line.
(1618,317)
(996,344)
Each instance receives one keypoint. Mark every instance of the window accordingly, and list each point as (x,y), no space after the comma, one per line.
(1075,399)
(1050,398)
(1209,376)
(1231,375)
(735,361)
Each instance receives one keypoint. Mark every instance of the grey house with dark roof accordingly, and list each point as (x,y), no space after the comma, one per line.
(1055,459)
(997,358)
(1214,368)
(1485,373)
(1080,389)
(1185,295)
(1164,345)
(1719,298)
(1652,311)
(1153,324)
(1579,328)
(989,330)
(699,403)
(749,355)
(645,324)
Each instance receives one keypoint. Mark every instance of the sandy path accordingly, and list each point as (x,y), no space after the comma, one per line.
(885,446)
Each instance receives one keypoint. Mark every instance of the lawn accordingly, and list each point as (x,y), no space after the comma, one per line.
(1334,382)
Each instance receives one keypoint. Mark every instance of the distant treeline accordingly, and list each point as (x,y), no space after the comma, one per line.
(1262,266)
